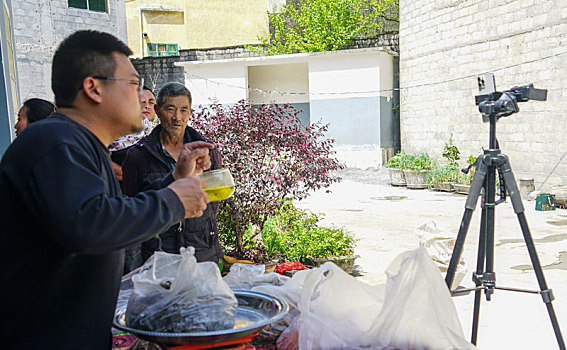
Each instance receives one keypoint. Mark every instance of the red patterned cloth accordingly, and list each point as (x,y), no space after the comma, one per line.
(289,266)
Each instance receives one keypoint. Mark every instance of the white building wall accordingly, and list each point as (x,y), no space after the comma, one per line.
(444,44)
(224,82)
(39,27)
(353,94)
(350,90)
(280,83)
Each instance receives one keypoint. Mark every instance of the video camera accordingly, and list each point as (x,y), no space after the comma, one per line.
(502,104)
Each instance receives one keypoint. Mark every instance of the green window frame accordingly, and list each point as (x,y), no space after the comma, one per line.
(92,5)
(162,49)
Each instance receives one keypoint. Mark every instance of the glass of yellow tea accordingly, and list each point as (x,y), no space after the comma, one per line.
(220,184)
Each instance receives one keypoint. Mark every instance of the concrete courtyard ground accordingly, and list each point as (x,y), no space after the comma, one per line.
(384,219)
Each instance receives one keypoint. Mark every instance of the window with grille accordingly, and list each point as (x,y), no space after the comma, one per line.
(93,5)
(162,50)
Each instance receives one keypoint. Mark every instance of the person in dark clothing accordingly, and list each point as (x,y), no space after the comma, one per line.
(155,156)
(119,147)
(33,110)
(65,220)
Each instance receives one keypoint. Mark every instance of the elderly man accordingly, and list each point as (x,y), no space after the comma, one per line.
(155,156)
(65,220)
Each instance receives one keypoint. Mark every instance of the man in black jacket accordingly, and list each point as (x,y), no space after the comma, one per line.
(65,221)
(156,155)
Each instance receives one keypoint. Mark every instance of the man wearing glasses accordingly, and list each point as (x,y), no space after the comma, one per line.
(65,220)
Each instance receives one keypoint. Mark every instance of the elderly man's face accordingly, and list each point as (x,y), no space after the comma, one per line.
(174,115)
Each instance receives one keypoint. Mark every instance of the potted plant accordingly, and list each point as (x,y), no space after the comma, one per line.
(416,170)
(395,166)
(443,178)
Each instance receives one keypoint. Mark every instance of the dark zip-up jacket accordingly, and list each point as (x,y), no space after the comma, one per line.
(64,224)
(147,161)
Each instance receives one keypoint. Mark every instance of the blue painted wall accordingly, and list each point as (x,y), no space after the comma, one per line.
(354,121)
(304,114)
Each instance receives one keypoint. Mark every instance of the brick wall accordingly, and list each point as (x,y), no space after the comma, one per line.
(160,70)
(39,27)
(444,44)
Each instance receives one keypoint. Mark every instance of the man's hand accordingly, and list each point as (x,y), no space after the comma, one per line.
(193,159)
(191,194)
(117,170)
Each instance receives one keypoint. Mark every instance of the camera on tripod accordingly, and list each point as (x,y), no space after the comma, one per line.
(492,105)
(502,104)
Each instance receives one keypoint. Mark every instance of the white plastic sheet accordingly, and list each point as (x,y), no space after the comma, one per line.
(247,276)
(439,245)
(418,312)
(413,310)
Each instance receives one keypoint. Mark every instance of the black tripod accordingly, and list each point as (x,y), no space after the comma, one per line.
(492,107)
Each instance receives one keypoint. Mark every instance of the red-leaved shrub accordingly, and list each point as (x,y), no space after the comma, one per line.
(271,156)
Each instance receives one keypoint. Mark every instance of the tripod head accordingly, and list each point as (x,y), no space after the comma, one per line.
(492,103)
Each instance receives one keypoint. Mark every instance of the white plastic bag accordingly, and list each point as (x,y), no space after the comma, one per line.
(439,245)
(418,312)
(247,276)
(413,310)
(335,309)
(179,295)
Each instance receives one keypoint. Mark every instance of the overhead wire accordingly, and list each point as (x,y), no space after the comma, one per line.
(469,76)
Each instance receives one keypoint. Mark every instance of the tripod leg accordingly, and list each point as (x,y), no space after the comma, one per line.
(470,205)
(518,206)
(479,270)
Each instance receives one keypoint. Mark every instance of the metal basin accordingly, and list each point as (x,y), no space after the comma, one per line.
(255,311)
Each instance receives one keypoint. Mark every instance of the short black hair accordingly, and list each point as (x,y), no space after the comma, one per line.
(172,89)
(82,54)
(38,109)
(150,90)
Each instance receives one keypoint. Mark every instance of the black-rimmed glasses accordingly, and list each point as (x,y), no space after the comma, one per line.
(139,82)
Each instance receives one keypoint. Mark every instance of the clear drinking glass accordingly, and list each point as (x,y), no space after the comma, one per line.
(220,184)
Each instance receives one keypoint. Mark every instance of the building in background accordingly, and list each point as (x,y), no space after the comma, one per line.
(351,90)
(39,27)
(8,77)
(444,44)
(161,28)
(31,31)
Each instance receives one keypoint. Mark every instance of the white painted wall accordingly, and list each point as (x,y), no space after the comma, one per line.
(345,76)
(286,78)
(351,90)
(348,91)
(225,82)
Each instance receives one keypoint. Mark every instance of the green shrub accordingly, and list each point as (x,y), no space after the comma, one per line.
(325,25)
(400,160)
(421,161)
(451,152)
(448,173)
(294,234)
